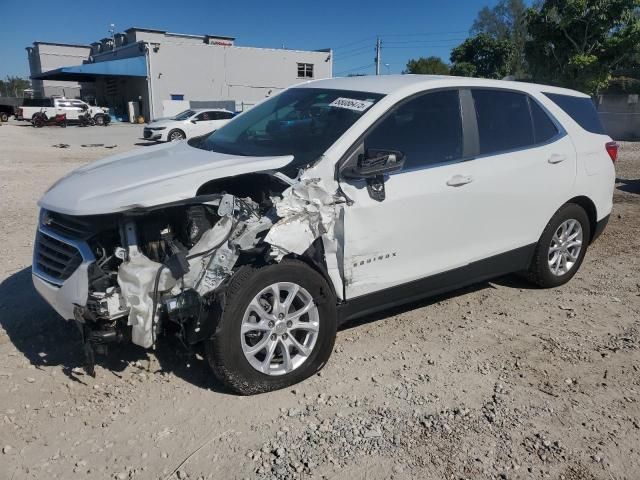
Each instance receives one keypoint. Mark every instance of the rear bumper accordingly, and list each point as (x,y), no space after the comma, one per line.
(600,226)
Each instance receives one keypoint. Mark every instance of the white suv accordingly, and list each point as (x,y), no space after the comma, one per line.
(330,201)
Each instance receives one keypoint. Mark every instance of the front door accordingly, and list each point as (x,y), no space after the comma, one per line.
(419,228)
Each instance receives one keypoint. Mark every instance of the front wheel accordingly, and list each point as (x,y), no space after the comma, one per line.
(4,117)
(561,248)
(277,327)
(99,120)
(176,135)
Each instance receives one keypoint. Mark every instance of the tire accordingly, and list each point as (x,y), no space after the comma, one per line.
(541,272)
(4,117)
(99,120)
(226,348)
(176,135)
(38,122)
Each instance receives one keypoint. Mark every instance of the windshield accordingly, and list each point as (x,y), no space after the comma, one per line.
(302,122)
(184,115)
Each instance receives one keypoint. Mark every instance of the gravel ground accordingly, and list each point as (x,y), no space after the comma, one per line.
(501,380)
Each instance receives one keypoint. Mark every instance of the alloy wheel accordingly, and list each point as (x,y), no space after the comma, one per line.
(279,328)
(176,136)
(565,247)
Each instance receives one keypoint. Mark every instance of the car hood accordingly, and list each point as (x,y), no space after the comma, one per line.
(147,177)
(163,122)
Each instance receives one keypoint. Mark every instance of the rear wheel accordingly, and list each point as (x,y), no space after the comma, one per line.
(278,327)
(176,135)
(561,248)
(4,117)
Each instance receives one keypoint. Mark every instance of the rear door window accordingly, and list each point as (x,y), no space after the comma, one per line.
(580,109)
(427,129)
(504,121)
(206,116)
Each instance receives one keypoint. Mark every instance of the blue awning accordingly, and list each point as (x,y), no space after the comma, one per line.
(88,72)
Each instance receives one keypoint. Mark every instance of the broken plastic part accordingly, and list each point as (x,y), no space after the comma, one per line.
(307,211)
(136,278)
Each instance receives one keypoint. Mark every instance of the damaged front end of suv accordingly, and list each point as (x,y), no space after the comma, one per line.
(144,272)
(234,240)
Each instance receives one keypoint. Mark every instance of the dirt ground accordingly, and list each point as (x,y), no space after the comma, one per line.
(501,380)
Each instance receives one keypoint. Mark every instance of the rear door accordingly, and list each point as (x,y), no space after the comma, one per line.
(68,108)
(223,118)
(206,122)
(524,170)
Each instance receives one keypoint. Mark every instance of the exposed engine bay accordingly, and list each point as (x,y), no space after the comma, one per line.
(163,269)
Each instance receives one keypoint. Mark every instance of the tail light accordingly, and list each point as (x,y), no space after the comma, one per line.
(612,150)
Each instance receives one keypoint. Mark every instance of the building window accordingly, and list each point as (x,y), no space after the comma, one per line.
(305,70)
(176,96)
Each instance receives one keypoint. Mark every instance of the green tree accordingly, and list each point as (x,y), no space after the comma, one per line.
(482,56)
(427,66)
(14,86)
(464,69)
(506,21)
(577,43)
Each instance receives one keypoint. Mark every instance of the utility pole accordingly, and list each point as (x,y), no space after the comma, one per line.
(378,54)
(112,31)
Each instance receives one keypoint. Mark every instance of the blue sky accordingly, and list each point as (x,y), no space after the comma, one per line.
(408,29)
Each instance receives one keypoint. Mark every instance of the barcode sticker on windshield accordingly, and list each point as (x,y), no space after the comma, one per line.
(351,104)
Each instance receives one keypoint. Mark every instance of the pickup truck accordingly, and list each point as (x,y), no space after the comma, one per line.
(6,111)
(56,105)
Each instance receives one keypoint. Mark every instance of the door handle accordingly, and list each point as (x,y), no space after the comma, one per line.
(459,180)
(556,158)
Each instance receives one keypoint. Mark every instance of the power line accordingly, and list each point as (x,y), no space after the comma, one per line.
(354,52)
(339,59)
(416,34)
(422,42)
(433,45)
(367,39)
(423,34)
(355,69)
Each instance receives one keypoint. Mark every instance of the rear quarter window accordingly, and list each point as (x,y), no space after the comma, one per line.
(580,109)
(543,127)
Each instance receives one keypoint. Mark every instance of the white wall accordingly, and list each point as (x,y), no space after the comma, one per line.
(49,57)
(170,108)
(212,72)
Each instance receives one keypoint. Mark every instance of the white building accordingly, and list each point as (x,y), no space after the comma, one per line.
(45,56)
(164,73)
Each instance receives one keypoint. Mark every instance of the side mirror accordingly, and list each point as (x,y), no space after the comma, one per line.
(374,163)
(194,121)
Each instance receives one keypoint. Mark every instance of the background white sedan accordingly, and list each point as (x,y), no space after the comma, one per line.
(187,124)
